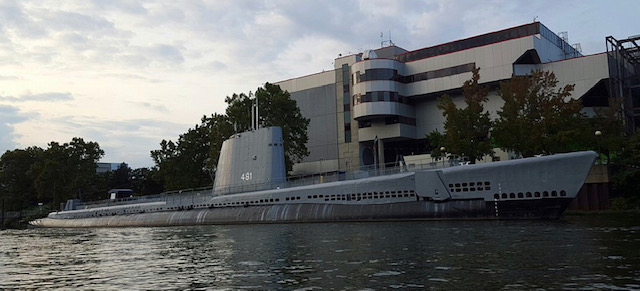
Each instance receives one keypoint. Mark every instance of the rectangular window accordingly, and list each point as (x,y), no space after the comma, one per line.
(366,97)
(391,120)
(394,96)
(363,124)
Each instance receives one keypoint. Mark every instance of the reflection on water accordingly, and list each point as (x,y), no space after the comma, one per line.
(576,253)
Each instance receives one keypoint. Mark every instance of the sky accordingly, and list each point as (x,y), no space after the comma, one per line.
(128,74)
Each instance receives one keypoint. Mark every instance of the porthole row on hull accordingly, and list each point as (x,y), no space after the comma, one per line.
(526,195)
(469,186)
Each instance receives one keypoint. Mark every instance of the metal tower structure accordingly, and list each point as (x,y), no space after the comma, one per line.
(624,71)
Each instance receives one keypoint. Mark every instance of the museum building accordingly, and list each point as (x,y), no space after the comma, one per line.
(376,107)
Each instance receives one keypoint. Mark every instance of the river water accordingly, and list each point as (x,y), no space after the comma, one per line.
(574,253)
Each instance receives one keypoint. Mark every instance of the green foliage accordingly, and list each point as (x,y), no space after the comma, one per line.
(467,129)
(239,111)
(17,175)
(121,177)
(608,121)
(626,169)
(436,140)
(536,119)
(276,108)
(51,176)
(185,163)
(625,203)
(221,129)
(143,183)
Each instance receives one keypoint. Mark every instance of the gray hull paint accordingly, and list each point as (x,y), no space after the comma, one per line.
(306,213)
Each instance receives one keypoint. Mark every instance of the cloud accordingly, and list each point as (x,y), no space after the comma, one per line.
(155,107)
(41,97)
(9,116)
(165,52)
(128,140)
(127,76)
(126,6)
(3,77)
(213,66)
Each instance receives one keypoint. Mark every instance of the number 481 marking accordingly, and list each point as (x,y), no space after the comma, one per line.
(246,176)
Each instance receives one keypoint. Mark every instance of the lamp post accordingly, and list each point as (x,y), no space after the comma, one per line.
(442,149)
(598,134)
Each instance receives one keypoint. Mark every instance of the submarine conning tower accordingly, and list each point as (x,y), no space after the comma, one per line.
(250,161)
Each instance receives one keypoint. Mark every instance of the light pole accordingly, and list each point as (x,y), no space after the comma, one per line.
(442,149)
(598,134)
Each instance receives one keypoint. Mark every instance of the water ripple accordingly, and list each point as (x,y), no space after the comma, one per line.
(351,256)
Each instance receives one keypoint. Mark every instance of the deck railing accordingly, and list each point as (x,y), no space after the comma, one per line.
(201,195)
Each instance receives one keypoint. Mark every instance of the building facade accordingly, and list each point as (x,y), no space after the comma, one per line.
(108,167)
(377,107)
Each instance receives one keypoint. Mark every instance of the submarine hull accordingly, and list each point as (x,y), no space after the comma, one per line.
(476,209)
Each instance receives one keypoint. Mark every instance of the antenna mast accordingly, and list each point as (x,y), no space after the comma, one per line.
(382,41)
(255,120)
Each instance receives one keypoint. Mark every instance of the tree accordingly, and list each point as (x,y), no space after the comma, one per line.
(62,171)
(466,130)
(238,111)
(626,174)
(121,177)
(17,176)
(83,158)
(608,122)
(66,171)
(436,141)
(220,129)
(276,108)
(186,163)
(142,182)
(538,119)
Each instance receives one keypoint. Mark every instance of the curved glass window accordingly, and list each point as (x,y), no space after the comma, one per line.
(400,119)
(376,74)
(392,75)
(382,96)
